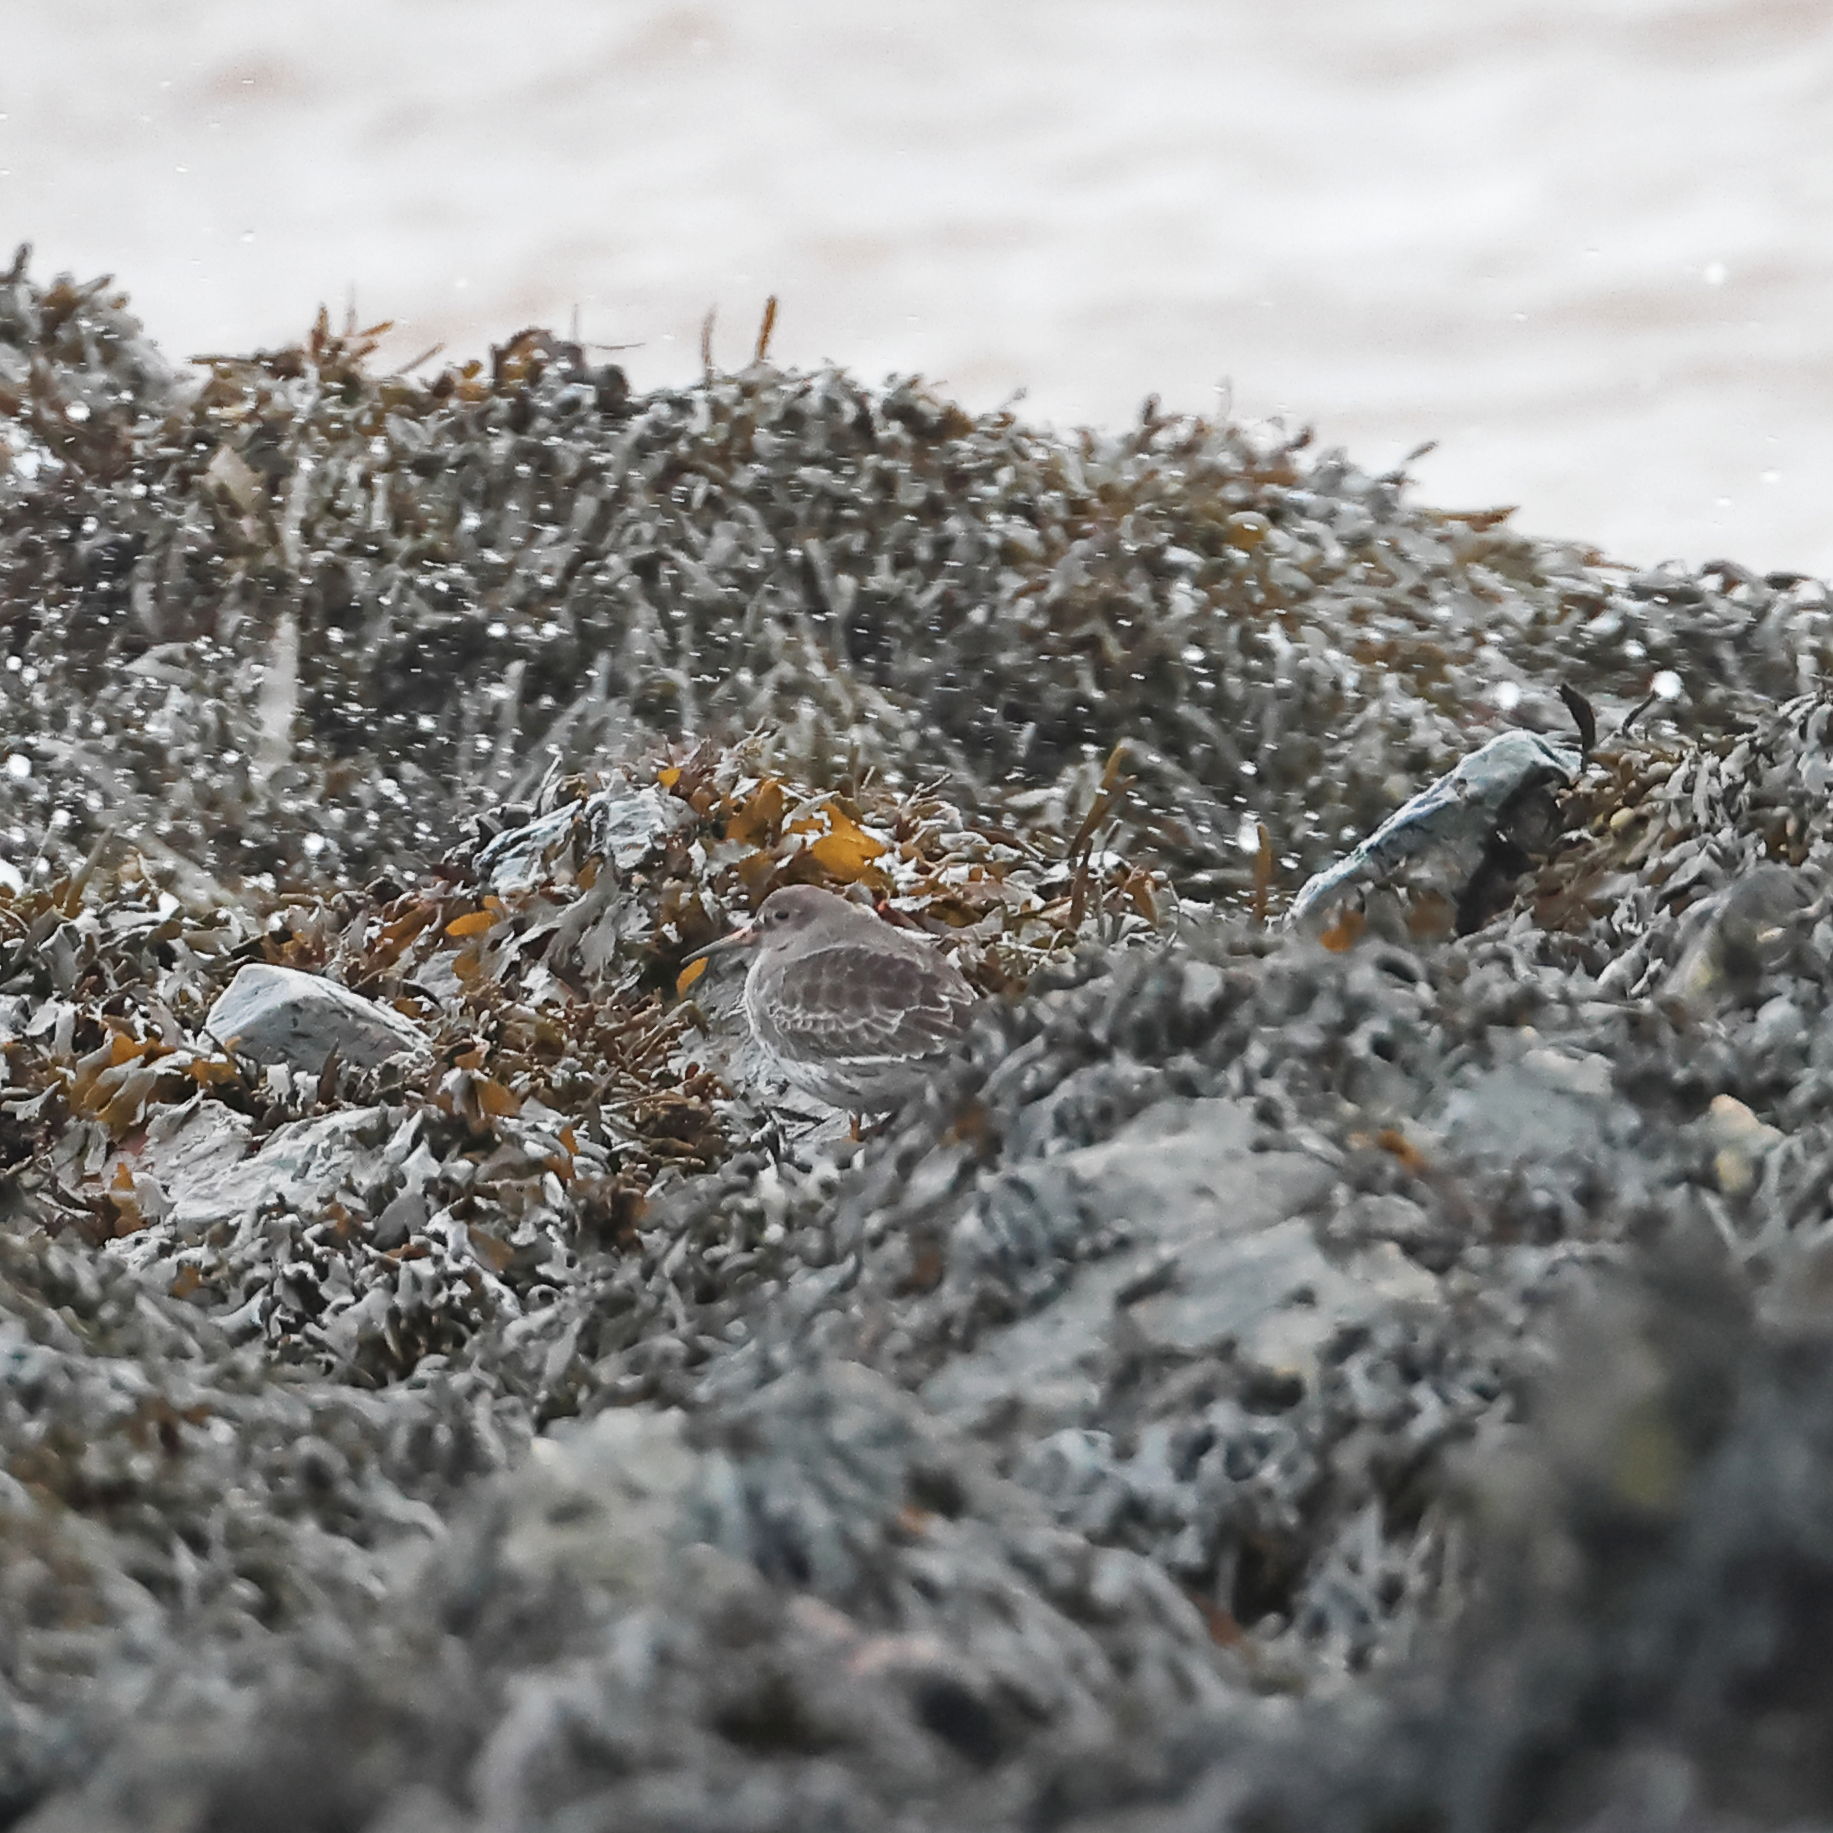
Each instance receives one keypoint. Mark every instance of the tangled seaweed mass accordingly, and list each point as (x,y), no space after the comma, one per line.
(1358,1366)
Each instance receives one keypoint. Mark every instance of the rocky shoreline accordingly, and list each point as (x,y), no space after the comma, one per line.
(1369,1373)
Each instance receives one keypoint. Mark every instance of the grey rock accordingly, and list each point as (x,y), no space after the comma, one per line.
(1737,935)
(1780,1030)
(1217,1252)
(200,1159)
(1274,1295)
(279,1015)
(1550,1104)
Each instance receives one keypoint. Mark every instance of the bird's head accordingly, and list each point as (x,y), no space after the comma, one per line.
(787,912)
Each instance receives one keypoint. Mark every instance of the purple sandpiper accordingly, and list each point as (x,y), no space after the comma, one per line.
(852,1010)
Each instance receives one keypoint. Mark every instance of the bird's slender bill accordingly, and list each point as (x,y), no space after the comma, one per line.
(739,938)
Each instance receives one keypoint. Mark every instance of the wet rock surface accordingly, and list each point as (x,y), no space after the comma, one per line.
(1329,1375)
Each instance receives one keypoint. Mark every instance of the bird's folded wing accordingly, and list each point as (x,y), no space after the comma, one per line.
(851,1003)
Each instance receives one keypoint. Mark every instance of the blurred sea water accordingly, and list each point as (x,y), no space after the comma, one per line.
(1579,243)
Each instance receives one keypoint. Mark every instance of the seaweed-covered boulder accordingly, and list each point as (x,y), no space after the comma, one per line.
(1148,1427)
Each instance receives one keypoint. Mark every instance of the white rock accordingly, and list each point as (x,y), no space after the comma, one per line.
(279,1015)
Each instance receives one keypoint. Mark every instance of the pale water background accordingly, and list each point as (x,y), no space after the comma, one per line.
(1586,245)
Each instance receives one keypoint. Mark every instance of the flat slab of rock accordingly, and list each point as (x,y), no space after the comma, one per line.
(1222,1255)
(279,1015)
(1546,1106)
